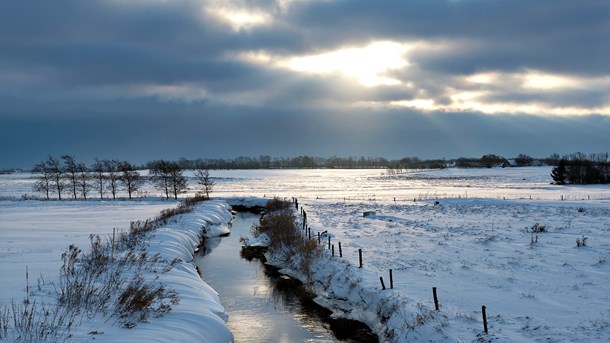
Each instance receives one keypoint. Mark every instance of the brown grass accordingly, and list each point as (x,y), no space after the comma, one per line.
(280,225)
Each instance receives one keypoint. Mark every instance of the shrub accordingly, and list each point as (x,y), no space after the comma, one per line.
(581,241)
(310,251)
(140,298)
(537,228)
(276,204)
(279,224)
(28,323)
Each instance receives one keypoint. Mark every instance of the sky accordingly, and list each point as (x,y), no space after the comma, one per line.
(150,79)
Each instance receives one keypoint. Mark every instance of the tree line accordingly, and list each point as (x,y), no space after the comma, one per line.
(352,162)
(578,168)
(66,177)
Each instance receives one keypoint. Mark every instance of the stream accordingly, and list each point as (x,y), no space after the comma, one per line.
(259,309)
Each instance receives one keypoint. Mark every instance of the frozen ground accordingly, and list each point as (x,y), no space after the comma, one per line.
(36,233)
(364,184)
(474,246)
(480,252)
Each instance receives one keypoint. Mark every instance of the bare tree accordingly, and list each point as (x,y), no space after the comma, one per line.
(112,172)
(83,179)
(204,179)
(167,176)
(160,177)
(97,168)
(131,179)
(43,181)
(71,172)
(56,172)
(177,180)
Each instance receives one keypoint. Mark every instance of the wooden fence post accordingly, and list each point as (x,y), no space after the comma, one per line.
(435,298)
(382,284)
(340,251)
(360,257)
(391,280)
(333,250)
(319,239)
(328,242)
(27,286)
(484,318)
(113,235)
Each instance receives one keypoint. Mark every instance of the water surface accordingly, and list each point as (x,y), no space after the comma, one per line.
(258,310)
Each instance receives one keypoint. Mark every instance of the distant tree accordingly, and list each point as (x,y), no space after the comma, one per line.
(559,173)
(553,159)
(97,168)
(71,173)
(204,179)
(265,161)
(83,179)
(43,180)
(464,162)
(56,173)
(160,175)
(130,178)
(578,168)
(167,176)
(491,160)
(111,168)
(523,160)
(177,180)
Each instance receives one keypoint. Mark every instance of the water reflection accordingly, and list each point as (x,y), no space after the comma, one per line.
(259,309)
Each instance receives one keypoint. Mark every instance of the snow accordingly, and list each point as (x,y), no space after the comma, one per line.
(36,233)
(476,251)
(474,246)
(479,252)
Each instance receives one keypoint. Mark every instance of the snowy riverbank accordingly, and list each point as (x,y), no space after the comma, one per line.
(198,317)
(535,285)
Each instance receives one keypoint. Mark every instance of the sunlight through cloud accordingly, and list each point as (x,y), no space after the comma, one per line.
(237,15)
(368,64)
(539,80)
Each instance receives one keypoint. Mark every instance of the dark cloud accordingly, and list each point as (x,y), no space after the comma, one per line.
(79,77)
(506,35)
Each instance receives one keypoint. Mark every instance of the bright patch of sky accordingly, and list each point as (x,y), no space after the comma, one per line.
(368,64)
(239,18)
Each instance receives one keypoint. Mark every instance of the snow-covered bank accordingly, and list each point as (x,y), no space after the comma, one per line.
(198,317)
(536,286)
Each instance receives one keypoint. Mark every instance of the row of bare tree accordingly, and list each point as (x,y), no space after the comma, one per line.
(68,176)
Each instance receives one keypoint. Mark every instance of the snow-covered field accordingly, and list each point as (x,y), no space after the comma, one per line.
(474,246)
(480,252)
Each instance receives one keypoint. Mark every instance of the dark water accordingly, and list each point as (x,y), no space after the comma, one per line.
(259,309)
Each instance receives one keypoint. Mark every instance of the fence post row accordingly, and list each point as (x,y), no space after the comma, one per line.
(332,247)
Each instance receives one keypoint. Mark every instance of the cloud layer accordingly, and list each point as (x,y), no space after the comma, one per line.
(314,70)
